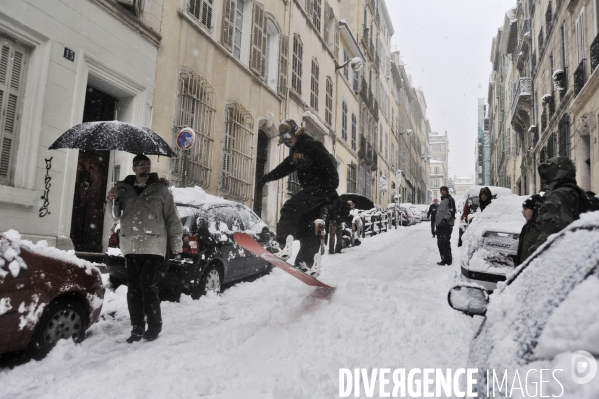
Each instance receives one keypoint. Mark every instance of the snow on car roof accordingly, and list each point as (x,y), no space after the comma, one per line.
(196,196)
(44,249)
(503,214)
(498,191)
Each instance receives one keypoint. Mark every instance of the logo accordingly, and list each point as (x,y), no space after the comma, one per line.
(583,367)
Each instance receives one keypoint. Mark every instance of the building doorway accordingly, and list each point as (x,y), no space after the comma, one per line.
(261,158)
(87,222)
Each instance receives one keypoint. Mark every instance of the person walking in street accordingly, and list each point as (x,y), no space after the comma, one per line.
(303,214)
(563,201)
(337,216)
(444,220)
(432,213)
(149,223)
(484,198)
(528,235)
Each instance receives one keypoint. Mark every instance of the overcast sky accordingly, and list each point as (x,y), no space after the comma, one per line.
(446,46)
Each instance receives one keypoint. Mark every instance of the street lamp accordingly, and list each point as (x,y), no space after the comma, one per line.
(356,64)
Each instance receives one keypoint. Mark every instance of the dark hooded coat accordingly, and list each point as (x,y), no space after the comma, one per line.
(529,233)
(563,202)
(315,166)
(483,204)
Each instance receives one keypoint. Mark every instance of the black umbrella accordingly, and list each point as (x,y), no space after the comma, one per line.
(361,202)
(114,135)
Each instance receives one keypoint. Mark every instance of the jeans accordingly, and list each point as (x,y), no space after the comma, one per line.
(433,226)
(142,294)
(443,242)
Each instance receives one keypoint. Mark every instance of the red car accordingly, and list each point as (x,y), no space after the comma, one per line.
(45,295)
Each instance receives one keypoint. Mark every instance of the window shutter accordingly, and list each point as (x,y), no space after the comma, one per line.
(228,24)
(310,8)
(336,27)
(283,64)
(194,8)
(326,24)
(207,13)
(12,64)
(258,56)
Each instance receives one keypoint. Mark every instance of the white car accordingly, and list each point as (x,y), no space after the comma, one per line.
(423,209)
(415,211)
(490,244)
(540,327)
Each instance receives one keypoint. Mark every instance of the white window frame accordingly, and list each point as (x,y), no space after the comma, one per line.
(271,68)
(203,11)
(580,36)
(297,64)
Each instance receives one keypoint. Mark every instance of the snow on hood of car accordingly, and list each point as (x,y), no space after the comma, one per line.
(44,249)
(503,214)
(547,312)
(196,196)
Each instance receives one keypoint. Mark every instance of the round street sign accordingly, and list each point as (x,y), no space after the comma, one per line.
(186,138)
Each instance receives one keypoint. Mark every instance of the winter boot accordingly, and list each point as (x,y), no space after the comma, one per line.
(283,253)
(152,333)
(136,335)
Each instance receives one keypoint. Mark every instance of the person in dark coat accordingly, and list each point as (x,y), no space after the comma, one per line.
(149,223)
(484,198)
(432,212)
(338,215)
(304,213)
(528,235)
(563,201)
(444,221)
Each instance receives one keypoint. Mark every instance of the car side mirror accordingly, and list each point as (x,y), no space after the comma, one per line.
(469,299)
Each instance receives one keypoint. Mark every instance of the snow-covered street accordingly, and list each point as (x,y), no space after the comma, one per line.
(273,337)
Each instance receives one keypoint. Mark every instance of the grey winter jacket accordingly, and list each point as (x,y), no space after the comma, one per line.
(446,211)
(149,219)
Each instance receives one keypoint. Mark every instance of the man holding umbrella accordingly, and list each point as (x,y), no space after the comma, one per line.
(149,218)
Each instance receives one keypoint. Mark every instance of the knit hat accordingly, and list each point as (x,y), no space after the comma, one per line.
(533,202)
(288,125)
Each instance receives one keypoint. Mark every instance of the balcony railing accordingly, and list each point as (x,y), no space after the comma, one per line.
(548,18)
(594,54)
(524,89)
(579,77)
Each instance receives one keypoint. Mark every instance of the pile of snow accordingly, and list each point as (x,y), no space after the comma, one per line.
(41,248)
(547,313)
(503,214)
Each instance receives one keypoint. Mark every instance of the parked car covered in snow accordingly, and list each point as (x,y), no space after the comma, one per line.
(46,294)
(471,202)
(490,244)
(423,208)
(543,317)
(416,214)
(210,256)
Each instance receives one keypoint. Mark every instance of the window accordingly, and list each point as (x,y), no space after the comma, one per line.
(328,115)
(238,32)
(367,188)
(351,178)
(316,13)
(283,64)
(356,81)
(314,85)
(296,68)
(344,120)
(237,168)
(580,39)
(202,10)
(234,14)
(564,136)
(13,58)
(346,67)
(196,110)
(271,55)
(361,181)
(354,128)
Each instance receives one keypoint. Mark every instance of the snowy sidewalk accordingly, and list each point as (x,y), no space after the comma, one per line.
(271,338)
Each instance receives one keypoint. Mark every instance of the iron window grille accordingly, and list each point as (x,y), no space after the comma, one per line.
(196,110)
(579,77)
(237,167)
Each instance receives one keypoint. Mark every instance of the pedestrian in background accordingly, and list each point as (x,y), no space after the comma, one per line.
(563,201)
(149,218)
(444,220)
(338,214)
(432,213)
(484,198)
(528,235)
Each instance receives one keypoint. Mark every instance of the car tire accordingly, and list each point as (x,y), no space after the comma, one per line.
(211,280)
(62,319)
